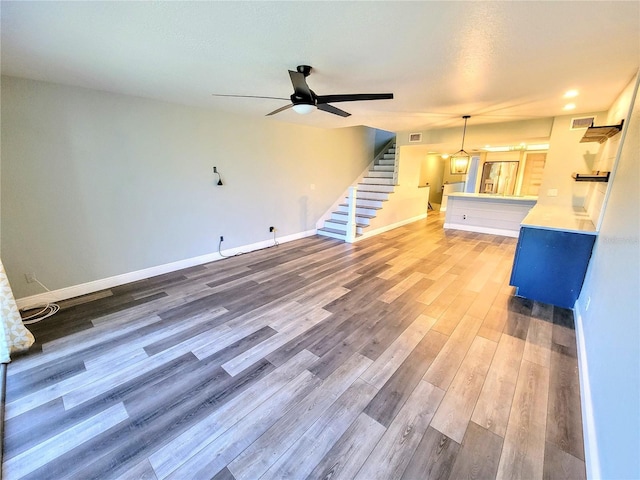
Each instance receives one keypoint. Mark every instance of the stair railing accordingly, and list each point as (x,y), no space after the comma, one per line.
(381,154)
(350,236)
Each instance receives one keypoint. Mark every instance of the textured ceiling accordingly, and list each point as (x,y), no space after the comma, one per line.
(496,61)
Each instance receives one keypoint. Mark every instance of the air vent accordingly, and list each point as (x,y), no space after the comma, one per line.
(415,137)
(580,123)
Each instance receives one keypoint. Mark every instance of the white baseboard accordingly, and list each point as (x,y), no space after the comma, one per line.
(473,228)
(110,282)
(386,228)
(591,457)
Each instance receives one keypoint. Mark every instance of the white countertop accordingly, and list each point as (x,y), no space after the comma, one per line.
(499,198)
(563,219)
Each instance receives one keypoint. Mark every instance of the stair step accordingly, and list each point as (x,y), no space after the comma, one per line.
(389,156)
(380,173)
(370,195)
(341,223)
(360,211)
(362,207)
(362,218)
(383,168)
(386,162)
(329,232)
(375,187)
(377,181)
(369,203)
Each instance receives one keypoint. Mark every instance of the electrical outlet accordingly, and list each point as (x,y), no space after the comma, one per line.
(30,277)
(552,192)
(271,229)
(221,238)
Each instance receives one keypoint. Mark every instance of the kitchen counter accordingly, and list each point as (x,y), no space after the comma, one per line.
(562,219)
(496,198)
(484,213)
(553,254)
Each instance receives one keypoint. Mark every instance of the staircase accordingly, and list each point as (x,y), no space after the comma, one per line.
(372,191)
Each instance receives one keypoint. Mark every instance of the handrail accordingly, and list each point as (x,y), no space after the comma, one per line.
(350,236)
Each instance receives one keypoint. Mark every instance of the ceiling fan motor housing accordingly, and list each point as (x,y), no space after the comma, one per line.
(304,69)
(303,100)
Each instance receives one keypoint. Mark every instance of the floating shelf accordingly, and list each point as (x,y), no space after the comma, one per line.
(591,177)
(601,134)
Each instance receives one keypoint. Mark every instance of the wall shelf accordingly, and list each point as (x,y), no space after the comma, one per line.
(591,177)
(601,134)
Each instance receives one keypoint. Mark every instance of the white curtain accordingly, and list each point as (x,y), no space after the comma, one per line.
(14,336)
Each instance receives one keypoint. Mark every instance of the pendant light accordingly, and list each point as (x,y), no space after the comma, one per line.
(460,160)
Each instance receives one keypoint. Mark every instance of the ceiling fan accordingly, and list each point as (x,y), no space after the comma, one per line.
(303,99)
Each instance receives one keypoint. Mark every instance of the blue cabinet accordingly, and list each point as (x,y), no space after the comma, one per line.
(550,265)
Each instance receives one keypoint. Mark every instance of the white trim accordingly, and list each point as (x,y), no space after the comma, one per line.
(110,282)
(591,457)
(386,228)
(473,228)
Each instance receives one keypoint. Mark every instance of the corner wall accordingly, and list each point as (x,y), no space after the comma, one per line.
(96,184)
(608,317)
(567,155)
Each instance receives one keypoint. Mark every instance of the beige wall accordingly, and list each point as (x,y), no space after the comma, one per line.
(96,184)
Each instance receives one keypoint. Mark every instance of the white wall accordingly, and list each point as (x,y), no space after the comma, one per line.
(608,153)
(96,184)
(567,155)
(448,140)
(609,318)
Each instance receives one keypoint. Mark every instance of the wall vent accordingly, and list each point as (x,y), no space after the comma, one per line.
(583,122)
(415,137)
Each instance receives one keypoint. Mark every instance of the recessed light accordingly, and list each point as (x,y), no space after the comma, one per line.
(569,106)
(445,155)
(571,94)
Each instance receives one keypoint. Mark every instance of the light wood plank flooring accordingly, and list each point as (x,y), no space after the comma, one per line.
(404,356)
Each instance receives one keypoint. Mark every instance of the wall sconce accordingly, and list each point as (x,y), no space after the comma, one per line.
(215,171)
(459,162)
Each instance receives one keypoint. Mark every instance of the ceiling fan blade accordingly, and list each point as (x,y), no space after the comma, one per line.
(247,96)
(281,109)
(325,107)
(300,86)
(353,97)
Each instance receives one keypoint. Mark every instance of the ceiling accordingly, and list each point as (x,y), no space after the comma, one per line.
(496,61)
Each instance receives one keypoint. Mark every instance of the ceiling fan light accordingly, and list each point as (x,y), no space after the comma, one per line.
(303,108)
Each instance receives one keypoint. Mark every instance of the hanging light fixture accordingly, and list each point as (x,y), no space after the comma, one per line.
(459,161)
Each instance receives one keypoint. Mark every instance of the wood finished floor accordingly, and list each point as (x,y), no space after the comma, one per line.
(404,356)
